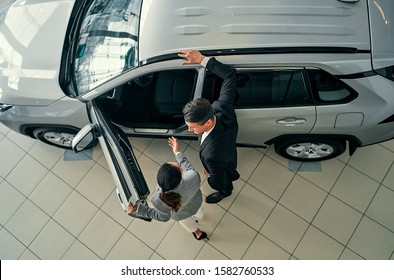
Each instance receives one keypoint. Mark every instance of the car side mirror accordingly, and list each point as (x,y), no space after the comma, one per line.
(84,138)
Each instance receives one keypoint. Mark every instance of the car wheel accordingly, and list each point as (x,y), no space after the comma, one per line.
(56,136)
(310,149)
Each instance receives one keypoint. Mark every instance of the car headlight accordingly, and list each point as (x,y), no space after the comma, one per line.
(5,107)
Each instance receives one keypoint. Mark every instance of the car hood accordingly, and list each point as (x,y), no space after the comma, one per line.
(30,50)
(229,24)
(382,32)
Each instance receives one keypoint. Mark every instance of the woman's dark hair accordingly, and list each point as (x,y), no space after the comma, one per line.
(198,111)
(168,178)
(172,199)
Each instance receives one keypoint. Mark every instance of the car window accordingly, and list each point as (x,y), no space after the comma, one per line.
(107,42)
(263,88)
(155,100)
(329,89)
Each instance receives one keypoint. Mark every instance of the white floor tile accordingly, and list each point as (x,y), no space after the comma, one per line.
(284,228)
(373,161)
(213,213)
(52,242)
(232,237)
(271,178)
(194,158)
(227,201)
(101,234)
(381,209)
(129,247)
(248,158)
(113,208)
(151,233)
(22,141)
(11,152)
(28,255)
(350,255)
(271,154)
(263,249)
(149,170)
(10,247)
(72,172)
(389,179)
(140,143)
(103,162)
(208,252)
(372,241)
(337,219)
(79,251)
(388,145)
(3,129)
(47,155)
(50,193)
(160,151)
(316,245)
(252,207)
(26,175)
(355,188)
(75,213)
(10,201)
(303,198)
(156,257)
(179,244)
(27,222)
(97,185)
(325,179)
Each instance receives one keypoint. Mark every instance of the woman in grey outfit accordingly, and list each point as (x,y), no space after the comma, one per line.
(177,196)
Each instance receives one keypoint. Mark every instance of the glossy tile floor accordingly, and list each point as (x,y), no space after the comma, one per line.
(56,207)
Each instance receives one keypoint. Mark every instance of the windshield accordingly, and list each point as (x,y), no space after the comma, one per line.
(108,41)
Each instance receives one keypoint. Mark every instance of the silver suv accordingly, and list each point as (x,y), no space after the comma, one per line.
(312,76)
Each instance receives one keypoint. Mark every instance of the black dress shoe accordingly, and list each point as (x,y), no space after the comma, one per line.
(216,197)
(202,236)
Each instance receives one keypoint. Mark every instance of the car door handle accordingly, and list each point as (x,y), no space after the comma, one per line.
(291,121)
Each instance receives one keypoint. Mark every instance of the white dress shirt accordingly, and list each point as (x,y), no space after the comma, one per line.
(206,133)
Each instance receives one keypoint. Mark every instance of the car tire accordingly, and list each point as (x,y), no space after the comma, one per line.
(60,137)
(308,149)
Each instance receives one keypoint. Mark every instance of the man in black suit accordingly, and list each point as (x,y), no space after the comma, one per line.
(218,126)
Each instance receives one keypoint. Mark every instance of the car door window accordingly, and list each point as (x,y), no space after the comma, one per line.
(328,89)
(263,88)
(155,100)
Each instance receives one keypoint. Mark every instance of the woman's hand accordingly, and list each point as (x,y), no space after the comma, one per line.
(173,143)
(132,208)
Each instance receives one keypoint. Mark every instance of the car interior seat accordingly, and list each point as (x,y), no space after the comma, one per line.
(172,91)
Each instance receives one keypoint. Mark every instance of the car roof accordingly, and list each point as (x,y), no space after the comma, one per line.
(224,24)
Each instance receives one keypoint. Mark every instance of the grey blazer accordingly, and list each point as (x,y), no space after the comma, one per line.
(189,189)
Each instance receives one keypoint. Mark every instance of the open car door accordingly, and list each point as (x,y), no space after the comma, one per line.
(130,183)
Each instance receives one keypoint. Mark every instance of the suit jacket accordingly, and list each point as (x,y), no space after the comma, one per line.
(189,189)
(218,152)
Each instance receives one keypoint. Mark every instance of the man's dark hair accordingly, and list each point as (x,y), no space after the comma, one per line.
(198,111)
(168,177)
